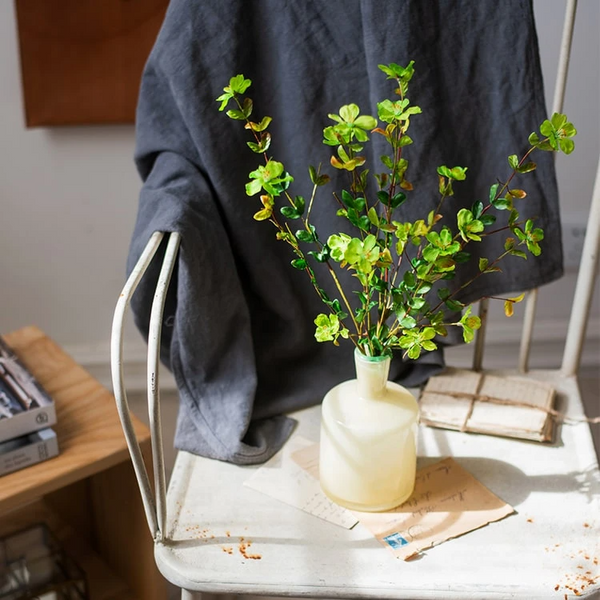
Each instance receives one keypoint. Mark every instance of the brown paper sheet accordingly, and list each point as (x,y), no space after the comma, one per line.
(447,502)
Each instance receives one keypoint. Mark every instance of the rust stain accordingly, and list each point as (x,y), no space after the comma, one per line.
(244,546)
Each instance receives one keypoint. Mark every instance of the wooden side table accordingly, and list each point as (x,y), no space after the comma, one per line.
(88,494)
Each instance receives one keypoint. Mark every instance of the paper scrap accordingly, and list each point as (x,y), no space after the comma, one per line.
(283,479)
(447,502)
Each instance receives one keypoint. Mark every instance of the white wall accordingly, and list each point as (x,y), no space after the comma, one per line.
(68,198)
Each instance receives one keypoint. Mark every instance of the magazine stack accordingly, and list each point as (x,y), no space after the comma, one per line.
(27,414)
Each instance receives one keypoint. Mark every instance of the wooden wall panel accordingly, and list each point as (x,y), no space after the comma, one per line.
(81,60)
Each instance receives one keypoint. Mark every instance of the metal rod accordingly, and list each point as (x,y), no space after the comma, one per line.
(154,337)
(116,357)
(584,289)
(557,105)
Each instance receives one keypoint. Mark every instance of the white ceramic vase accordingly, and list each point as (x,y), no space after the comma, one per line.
(368,439)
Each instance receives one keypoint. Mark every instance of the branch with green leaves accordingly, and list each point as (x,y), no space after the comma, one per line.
(391,311)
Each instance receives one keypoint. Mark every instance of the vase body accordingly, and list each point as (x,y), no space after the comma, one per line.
(368,446)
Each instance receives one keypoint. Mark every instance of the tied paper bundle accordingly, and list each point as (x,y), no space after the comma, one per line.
(480,403)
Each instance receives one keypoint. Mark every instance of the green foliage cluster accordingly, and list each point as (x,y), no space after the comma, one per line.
(395,263)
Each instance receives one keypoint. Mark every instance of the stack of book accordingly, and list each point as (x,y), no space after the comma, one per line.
(27,414)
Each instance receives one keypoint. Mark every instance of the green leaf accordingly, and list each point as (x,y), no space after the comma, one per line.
(290,213)
(566,145)
(316,178)
(258,127)
(328,328)
(493,192)
(299,204)
(364,223)
(513,161)
(305,236)
(366,122)
(417,303)
(383,197)
(359,203)
(236,114)
(483,264)
(349,112)
(322,256)
(239,84)
(263,215)
(224,100)
(408,322)
(477,209)
(398,200)
(443,294)
(299,263)
(502,204)
(428,345)
(253,187)
(338,245)
(456,173)
(454,305)
(518,253)
(515,193)
(373,217)
(409,279)
(558,120)
(527,167)
(263,146)
(414,352)
(487,219)
(387,161)
(430,253)
(247,106)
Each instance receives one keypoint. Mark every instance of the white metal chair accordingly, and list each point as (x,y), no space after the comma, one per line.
(207,513)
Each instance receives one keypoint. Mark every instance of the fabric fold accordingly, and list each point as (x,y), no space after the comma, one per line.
(238,332)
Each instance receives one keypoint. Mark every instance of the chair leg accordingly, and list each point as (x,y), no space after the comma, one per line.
(185,595)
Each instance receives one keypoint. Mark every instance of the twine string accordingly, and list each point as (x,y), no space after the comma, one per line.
(477,397)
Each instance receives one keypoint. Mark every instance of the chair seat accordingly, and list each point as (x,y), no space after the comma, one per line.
(548,548)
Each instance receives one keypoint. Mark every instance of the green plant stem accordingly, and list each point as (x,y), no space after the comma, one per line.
(468,283)
(341,291)
(512,176)
(299,253)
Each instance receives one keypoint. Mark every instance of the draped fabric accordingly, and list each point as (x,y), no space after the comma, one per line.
(238,331)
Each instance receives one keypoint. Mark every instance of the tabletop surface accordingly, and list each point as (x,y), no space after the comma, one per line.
(90,438)
(550,548)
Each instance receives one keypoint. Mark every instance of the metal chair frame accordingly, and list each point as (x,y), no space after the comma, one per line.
(155,501)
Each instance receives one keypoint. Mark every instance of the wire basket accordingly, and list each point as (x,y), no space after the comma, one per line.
(33,565)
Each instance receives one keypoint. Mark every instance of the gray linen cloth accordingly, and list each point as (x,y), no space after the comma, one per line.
(238,328)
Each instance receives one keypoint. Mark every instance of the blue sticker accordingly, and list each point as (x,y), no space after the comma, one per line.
(395,540)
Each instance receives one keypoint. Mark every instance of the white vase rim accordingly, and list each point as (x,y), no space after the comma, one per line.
(370,359)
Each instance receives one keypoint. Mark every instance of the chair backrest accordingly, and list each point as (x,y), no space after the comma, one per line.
(589,261)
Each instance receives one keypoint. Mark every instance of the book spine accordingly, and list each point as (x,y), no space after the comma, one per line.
(28,455)
(27,422)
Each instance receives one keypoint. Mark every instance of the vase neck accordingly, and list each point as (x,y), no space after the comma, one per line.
(372,374)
